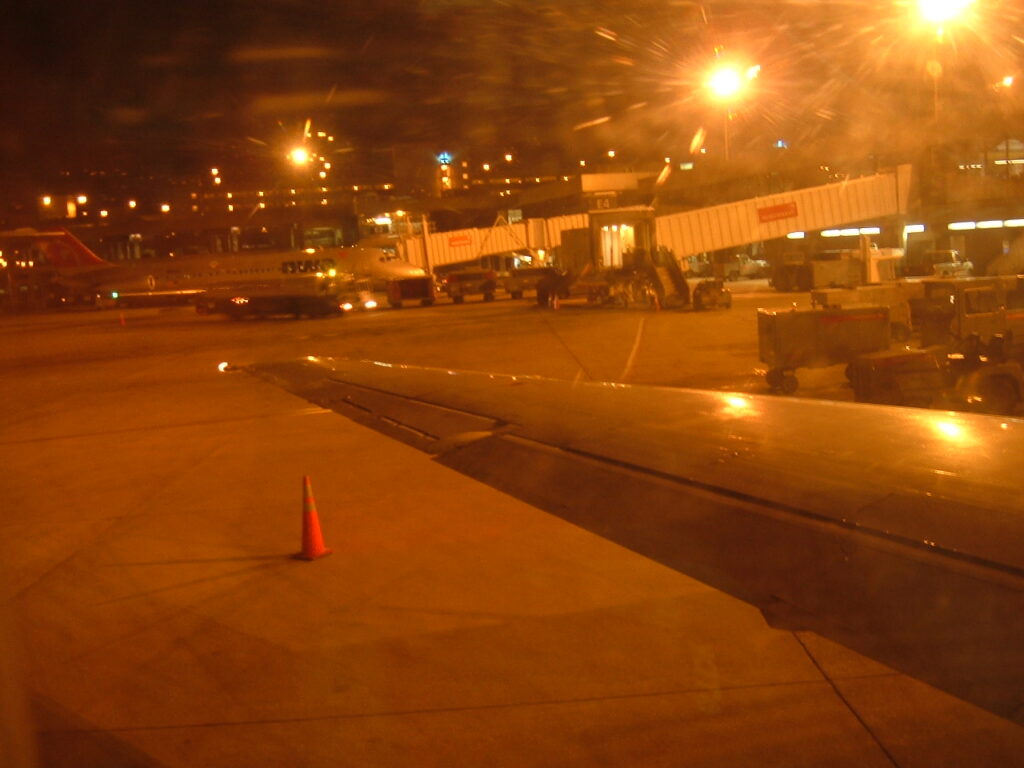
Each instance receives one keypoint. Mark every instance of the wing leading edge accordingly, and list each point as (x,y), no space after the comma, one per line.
(897,532)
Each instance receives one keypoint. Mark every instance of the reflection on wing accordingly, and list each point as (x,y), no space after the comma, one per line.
(895,531)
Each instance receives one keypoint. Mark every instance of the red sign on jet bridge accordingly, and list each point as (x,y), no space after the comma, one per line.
(776,212)
(456,240)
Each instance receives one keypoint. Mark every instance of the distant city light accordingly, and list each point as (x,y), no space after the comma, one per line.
(913,229)
(487,166)
(508,157)
(583,163)
(47,200)
(214,172)
(230,195)
(165,208)
(82,199)
(611,153)
(132,203)
(796,236)
(104,213)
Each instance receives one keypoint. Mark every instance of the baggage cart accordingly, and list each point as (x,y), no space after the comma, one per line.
(817,338)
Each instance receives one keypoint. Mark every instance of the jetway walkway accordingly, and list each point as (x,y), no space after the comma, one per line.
(773,216)
(693,232)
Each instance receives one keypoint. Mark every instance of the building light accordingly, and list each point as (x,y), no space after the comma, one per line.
(990,224)
(82,199)
(830,233)
(686,166)
(870,230)
(215,172)
(611,153)
(165,208)
(913,229)
(959,226)
(260,193)
(323,201)
(132,204)
(327,166)
(1014,223)
(583,163)
(508,157)
(796,235)
(486,166)
(323,174)
(47,200)
(262,204)
(230,195)
(668,160)
(104,213)
(216,179)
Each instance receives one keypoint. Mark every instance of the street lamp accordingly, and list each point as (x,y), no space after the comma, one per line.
(726,84)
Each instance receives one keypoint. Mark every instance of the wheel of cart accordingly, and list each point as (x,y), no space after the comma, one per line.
(782,380)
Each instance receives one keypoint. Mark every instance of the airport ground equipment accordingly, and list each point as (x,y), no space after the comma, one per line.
(643,280)
(313,295)
(405,289)
(897,296)
(471,282)
(523,279)
(816,338)
(956,309)
(976,376)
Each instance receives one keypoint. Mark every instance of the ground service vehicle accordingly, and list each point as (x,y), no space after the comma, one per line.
(816,338)
(419,289)
(897,296)
(470,282)
(955,309)
(518,281)
(825,269)
(638,279)
(947,263)
(983,378)
(312,295)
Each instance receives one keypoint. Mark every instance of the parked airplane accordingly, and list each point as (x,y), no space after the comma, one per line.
(897,532)
(79,271)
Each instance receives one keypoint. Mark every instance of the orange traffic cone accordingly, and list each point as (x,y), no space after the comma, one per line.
(312,542)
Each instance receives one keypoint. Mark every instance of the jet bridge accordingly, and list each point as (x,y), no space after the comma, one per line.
(773,216)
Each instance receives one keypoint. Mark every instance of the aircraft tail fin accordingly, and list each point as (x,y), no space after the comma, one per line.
(63,250)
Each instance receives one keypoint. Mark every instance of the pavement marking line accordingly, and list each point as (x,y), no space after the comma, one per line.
(468,708)
(567,347)
(631,360)
(846,702)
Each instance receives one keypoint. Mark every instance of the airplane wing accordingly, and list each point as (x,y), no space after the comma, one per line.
(897,532)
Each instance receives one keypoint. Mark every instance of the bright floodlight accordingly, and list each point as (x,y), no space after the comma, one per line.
(941,11)
(725,82)
(299,156)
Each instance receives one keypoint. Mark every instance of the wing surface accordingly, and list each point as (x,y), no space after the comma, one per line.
(898,532)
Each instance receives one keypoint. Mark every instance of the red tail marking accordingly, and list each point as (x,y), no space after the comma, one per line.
(66,251)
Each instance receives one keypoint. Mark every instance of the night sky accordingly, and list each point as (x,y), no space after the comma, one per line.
(161,87)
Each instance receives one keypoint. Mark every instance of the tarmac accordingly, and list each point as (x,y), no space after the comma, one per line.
(151,513)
